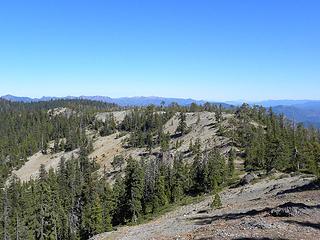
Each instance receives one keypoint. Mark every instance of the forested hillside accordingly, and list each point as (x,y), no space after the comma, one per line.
(173,153)
(28,128)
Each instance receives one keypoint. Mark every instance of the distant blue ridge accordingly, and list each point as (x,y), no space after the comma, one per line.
(304,111)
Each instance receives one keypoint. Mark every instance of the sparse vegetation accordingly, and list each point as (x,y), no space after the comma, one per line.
(216,202)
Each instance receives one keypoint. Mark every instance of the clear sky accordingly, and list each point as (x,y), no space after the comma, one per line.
(204,49)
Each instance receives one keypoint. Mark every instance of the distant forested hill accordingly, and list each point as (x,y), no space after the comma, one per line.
(122,101)
(307,113)
(301,111)
(304,111)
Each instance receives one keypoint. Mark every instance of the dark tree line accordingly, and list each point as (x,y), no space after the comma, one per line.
(273,142)
(75,202)
(146,127)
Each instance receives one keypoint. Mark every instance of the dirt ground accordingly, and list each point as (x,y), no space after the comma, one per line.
(30,170)
(255,211)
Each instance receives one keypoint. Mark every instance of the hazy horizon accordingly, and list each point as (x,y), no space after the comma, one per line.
(146,96)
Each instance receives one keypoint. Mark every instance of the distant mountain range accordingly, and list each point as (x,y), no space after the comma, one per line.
(307,112)
(270,103)
(304,111)
(122,101)
(301,111)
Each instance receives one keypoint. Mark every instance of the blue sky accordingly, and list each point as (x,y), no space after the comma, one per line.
(213,50)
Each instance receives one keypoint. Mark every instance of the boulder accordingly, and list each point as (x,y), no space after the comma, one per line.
(248,178)
(290,209)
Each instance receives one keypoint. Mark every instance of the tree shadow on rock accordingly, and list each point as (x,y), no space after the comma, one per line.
(204,220)
(175,135)
(312,186)
(305,224)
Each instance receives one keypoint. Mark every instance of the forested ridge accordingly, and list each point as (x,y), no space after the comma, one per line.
(75,201)
(27,128)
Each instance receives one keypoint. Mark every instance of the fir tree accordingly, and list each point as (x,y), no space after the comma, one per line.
(231,167)
(182,126)
(176,179)
(216,203)
(92,219)
(133,190)
(159,195)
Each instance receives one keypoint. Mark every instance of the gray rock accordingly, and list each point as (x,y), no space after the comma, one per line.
(273,171)
(248,178)
(253,224)
(289,210)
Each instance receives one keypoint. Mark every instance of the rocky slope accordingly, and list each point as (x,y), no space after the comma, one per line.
(276,207)
(202,125)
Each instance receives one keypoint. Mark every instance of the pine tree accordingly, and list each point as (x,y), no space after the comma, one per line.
(56,145)
(5,218)
(231,167)
(47,217)
(218,113)
(216,203)
(216,170)
(198,169)
(92,218)
(256,151)
(133,190)
(182,126)
(159,195)
(165,142)
(120,201)
(149,141)
(14,196)
(175,179)
(32,211)
(107,202)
